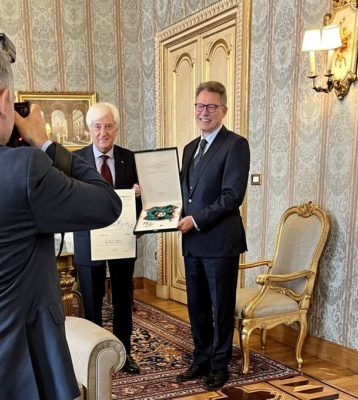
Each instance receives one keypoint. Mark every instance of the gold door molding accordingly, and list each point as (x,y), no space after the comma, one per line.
(212,44)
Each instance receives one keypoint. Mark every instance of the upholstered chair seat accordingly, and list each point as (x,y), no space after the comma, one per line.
(273,303)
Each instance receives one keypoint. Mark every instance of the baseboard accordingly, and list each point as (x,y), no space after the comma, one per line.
(317,347)
(138,283)
(144,283)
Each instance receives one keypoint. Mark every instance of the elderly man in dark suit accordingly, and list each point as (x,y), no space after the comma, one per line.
(214,178)
(36,201)
(118,165)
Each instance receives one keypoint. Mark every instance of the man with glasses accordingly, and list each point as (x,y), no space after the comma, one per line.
(117,166)
(214,177)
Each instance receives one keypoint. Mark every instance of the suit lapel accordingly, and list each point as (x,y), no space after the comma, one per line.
(190,154)
(119,164)
(89,156)
(208,156)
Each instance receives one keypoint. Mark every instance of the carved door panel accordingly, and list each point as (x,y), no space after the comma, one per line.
(218,54)
(183,74)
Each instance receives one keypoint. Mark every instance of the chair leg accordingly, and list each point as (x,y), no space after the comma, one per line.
(300,340)
(244,336)
(263,338)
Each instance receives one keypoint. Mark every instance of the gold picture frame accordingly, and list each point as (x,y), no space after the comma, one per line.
(65,115)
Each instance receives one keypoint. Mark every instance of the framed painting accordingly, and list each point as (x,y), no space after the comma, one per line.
(65,115)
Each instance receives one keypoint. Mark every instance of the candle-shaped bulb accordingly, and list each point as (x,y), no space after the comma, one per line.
(312,63)
(329,61)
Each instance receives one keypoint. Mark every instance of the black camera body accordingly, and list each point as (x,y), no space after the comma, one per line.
(15,139)
(22,108)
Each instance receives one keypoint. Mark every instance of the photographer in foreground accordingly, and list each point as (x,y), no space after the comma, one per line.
(37,199)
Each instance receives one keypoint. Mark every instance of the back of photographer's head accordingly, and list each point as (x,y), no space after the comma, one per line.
(6,77)
(6,98)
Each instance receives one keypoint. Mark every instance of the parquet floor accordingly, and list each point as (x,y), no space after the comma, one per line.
(324,371)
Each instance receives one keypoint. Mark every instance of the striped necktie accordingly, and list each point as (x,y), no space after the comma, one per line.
(198,157)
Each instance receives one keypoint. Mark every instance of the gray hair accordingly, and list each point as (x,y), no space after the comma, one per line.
(215,87)
(6,76)
(100,110)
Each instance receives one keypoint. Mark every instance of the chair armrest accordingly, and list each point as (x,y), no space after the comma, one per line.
(265,281)
(256,264)
(96,353)
(267,278)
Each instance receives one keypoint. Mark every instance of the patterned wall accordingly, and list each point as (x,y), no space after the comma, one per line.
(304,143)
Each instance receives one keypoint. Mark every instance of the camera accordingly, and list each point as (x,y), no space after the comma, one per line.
(22,108)
(15,139)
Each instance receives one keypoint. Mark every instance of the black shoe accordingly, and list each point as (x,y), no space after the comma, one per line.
(130,366)
(216,379)
(193,372)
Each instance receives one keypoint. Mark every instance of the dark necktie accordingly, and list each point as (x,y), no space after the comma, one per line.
(105,171)
(198,157)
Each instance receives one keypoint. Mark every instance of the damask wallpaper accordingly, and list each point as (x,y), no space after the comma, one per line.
(304,143)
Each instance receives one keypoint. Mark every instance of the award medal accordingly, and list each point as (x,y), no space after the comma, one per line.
(159,213)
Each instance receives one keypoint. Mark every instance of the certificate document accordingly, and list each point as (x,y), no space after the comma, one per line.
(158,174)
(117,240)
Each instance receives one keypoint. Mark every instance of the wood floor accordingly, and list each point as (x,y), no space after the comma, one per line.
(322,370)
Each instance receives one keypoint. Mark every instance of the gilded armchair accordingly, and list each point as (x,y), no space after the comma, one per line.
(284,292)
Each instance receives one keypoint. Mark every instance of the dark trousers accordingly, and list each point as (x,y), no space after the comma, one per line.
(92,285)
(211,291)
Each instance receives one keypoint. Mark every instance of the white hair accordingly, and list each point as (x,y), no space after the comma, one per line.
(100,110)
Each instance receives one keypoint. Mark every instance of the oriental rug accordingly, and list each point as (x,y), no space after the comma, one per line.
(162,346)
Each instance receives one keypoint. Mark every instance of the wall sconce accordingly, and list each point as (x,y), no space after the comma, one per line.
(328,39)
(339,40)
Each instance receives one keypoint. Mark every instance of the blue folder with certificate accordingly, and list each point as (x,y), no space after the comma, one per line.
(158,175)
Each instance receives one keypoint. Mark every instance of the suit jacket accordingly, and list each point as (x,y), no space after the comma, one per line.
(125,178)
(36,201)
(217,193)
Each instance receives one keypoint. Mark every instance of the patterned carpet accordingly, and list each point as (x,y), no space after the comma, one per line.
(162,346)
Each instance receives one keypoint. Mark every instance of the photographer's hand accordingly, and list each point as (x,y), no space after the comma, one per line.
(32,128)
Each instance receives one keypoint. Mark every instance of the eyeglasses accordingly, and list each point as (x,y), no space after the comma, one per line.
(210,107)
(108,127)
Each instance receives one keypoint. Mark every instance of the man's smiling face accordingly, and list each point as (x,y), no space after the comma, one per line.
(209,121)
